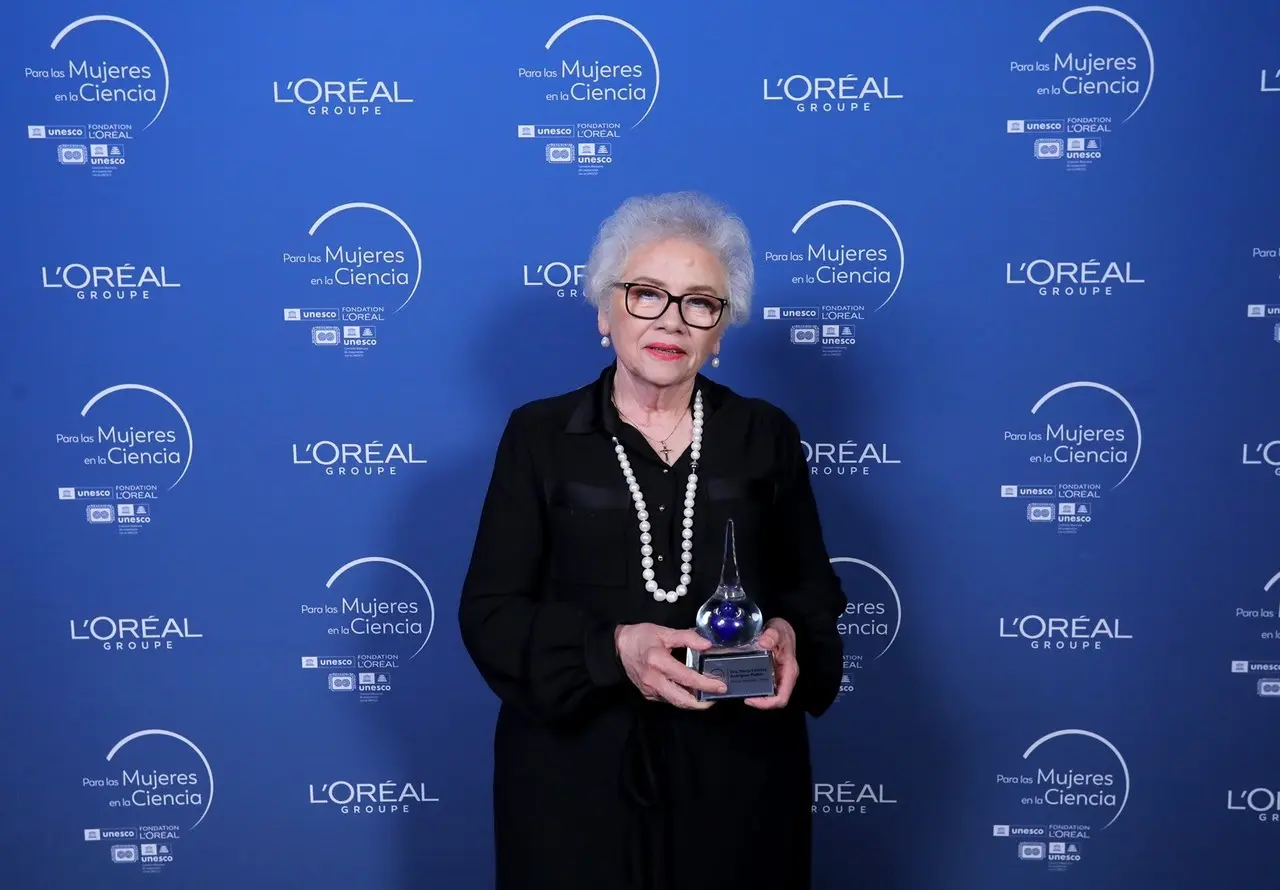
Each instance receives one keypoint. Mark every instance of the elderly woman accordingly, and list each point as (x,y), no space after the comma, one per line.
(579,604)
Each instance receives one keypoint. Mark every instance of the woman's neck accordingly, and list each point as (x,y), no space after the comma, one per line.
(643,401)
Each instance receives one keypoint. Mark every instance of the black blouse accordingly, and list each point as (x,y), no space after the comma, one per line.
(556,568)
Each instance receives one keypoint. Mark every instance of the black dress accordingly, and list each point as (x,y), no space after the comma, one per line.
(594,787)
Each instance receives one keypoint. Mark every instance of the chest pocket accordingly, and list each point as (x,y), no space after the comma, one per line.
(588,534)
(749,503)
(748,493)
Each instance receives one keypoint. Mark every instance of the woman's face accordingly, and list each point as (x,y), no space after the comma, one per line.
(666,350)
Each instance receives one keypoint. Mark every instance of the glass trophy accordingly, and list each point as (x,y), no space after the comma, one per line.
(732,622)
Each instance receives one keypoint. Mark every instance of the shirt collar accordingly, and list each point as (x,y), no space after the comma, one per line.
(595,411)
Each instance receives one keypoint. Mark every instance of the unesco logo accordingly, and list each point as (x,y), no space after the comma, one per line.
(73,155)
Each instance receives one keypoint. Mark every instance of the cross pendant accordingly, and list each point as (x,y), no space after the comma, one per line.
(666,454)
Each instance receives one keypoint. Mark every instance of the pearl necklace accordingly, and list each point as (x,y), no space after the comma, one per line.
(642,513)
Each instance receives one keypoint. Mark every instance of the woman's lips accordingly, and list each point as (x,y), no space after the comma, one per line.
(666,352)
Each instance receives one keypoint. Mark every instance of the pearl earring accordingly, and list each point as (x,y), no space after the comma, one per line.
(715,361)
(604,341)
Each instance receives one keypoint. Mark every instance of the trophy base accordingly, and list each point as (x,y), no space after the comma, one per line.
(747,671)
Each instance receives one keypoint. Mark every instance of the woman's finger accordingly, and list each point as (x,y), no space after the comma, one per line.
(786,672)
(684,639)
(681,697)
(689,678)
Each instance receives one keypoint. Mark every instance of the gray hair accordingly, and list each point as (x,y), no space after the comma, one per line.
(674,215)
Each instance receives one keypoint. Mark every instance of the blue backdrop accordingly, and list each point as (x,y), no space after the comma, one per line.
(275,273)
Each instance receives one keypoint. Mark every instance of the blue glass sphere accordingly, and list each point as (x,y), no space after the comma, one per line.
(729,623)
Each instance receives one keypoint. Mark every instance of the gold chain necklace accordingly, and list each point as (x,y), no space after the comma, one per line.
(666,452)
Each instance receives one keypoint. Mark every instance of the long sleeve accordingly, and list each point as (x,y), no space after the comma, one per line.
(812,599)
(545,658)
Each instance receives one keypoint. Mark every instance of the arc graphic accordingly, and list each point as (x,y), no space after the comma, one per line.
(614,20)
(398,564)
(191,440)
(892,589)
(902,254)
(186,741)
(115,19)
(361,205)
(1151,53)
(1089,384)
(1266,588)
(1124,767)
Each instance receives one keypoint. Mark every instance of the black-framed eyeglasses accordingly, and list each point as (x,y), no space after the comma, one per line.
(648,301)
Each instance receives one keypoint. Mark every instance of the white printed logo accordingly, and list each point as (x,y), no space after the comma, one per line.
(356,458)
(1070,278)
(1263,674)
(1061,793)
(1075,75)
(849,459)
(98,82)
(585,86)
(1081,633)
(95,88)
(144,444)
(847,262)
(1267,313)
(870,623)
(562,279)
(814,95)
(1090,451)
(387,631)
(339,98)
(848,798)
(1262,454)
(133,634)
(365,278)
(1262,802)
(166,785)
(589,103)
(121,284)
(367,798)
(1100,442)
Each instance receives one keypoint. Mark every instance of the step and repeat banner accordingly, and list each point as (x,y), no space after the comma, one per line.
(275,274)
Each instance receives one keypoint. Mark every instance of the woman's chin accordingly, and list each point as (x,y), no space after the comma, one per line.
(664,371)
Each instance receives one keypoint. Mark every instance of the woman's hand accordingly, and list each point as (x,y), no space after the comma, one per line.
(645,650)
(779,638)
